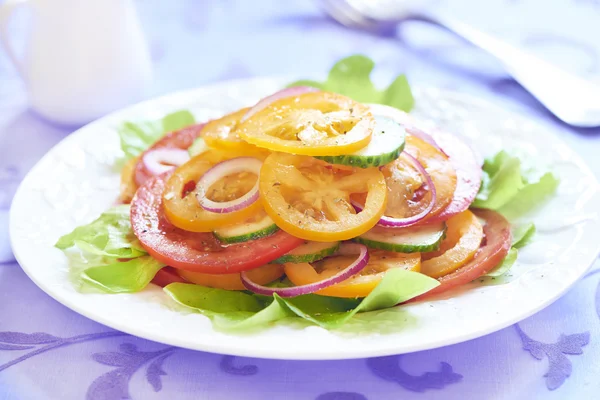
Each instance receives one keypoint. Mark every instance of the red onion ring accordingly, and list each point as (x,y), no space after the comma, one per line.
(391,222)
(221,170)
(282,94)
(156,160)
(346,249)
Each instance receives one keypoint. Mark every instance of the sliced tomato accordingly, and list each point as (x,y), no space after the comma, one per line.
(261,275)
(181,205)
(403,182)
(200,252)
(494,248)
(359,285)
(315,124)
(312,201)
(222,134)
(166,276)
(463,239)
(128,185)
(181,139)
(468,171)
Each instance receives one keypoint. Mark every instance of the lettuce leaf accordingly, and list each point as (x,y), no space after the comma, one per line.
(351,77)
(513,190)
(241,311)
(505,265)
(510,189)
(123,276)
(109,235)
(522,235)
(136,137)
(102,245)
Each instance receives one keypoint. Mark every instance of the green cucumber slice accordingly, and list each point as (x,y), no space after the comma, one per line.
(199,146)
(252,229)
(386,145)
(309,252)
(417,239)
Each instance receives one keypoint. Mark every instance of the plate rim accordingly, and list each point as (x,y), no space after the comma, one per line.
(285,354)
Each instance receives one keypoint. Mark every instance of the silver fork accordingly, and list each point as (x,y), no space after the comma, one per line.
(572,99)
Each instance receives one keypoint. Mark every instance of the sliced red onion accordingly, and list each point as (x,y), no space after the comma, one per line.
(220,171)
(164,159)
(346,249)
(391,222)
(289,92)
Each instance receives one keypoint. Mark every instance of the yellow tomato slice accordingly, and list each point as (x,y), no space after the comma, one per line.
(128,185)
(222,134)
(403,181)
(314,124)
(261,275)
(463,239)
(361,284)
(312,201)
(179,198)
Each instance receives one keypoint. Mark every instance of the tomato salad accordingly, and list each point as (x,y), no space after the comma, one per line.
(317,188)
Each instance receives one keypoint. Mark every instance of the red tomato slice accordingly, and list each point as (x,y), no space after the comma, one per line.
(468,174)
(181,139)
(496,244)
(199,252)
(166,276)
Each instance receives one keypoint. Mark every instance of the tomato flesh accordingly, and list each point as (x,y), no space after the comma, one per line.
(311,201)
(437,165)
(468,174)
(463,239)
(180,202)
(222,134)
(496,245)
(316,123)
(361,284)
(200,252)
(167,275)
(261,275)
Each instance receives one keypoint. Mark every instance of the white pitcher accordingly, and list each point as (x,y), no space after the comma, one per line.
(84,58)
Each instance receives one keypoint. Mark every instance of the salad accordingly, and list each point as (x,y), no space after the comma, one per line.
(322,202)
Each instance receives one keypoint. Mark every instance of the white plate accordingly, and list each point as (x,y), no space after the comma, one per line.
(77,180)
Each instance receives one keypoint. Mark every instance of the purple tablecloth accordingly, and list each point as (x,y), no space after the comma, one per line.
(49,352)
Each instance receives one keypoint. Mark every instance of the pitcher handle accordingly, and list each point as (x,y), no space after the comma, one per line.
(6,11)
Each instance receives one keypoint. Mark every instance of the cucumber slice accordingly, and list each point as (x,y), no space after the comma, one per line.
(309,252)
(199,146)
(252,229)
(418,239)
(386,145)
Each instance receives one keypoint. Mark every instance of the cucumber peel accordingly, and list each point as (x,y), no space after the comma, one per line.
(309,252)
(249,230)
(387,142)
(417,239)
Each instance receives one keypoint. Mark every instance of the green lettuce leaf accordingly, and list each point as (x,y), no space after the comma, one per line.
(240,311)
(531,196)
(123,277)
(110,235)
(510,189)
(522,235)
(351,77)
(505,265)
(138,136)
